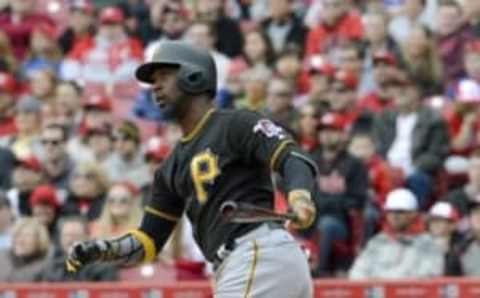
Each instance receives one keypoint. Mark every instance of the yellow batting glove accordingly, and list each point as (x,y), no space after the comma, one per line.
(300,201)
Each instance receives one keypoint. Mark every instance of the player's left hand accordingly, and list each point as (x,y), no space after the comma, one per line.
(302,205)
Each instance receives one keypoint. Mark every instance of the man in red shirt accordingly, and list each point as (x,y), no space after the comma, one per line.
(338,23)
(7,93)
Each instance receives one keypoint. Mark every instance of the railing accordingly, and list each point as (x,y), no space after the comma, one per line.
(335,288)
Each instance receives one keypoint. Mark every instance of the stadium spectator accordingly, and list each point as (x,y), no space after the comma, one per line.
(44,52)
(57,163)
(472,12)
(442,225)
(412,14)
(27,175)
(309,115)
(402,235)
(348,56)
(279,106)
(108,58)
(26,139)
(87,189)
(156,151)
(257,51)
(376,40)
(8,88)
(100,141)
(73,229)
(254,89)
(229,37)
(283,28)
(45,207)
(342,184)
(127,162)
(6,222)
(202,34)
(288,66)
(420,54)
(42,84)
(463,196)
(338,23)
(380,178)
(321,74)
(27,256)
(471,249)
(136,16)
(122,211)
(452,34)
(384,68)
(8,61)
(18,23)
(343,96)
(68,105)
(412,138)
(80,25)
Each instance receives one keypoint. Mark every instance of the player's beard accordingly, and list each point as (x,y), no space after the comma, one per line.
(173,111)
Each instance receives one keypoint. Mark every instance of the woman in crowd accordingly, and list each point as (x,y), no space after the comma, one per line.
(26,258)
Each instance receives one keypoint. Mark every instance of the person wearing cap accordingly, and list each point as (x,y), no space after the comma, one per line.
(8,89)
(95,60)
(45,206)
(401,249)
(379,99)
(100,141)
(442,222)
(470,252)
(27,174)
(57,163)
(343,96)
(342,184)
(127,162)
(320,76)
(73,229)
(156,151)
(26,139)
(412,138)
(462,196)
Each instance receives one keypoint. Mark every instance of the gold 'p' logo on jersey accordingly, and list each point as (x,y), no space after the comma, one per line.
(204,169)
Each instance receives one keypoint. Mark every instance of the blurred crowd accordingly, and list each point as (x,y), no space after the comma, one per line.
(384,95)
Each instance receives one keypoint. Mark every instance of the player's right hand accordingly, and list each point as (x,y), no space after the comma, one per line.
(83,253)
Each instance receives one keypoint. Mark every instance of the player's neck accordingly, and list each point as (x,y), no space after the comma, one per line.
(196,111)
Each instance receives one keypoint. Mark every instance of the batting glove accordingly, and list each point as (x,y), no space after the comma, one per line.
(83,253)
(302,205)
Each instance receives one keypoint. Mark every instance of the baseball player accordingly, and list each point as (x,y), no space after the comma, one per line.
(224,155)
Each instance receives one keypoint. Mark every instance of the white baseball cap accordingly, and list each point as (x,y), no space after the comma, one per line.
(401,199)
(444,210)
(468,91)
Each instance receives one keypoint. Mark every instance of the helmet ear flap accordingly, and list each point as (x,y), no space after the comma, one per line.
(192,80)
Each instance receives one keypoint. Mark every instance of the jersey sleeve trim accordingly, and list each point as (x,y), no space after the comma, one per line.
(276,153)
(147,243)
(161,214)
(198,127)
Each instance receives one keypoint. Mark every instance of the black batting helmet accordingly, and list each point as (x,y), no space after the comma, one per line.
(197,73)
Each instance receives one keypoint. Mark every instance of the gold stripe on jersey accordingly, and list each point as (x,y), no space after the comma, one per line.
(161,214)
(148,245)
(277,152)
(253,268)
(198,127)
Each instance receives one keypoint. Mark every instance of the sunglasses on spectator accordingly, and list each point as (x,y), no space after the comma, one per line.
(118,200)
(89,176)
(281,94)
(54,142)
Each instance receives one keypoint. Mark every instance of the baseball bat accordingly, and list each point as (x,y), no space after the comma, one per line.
(237,212)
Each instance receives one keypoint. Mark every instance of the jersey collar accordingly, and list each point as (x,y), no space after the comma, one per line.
(198,127)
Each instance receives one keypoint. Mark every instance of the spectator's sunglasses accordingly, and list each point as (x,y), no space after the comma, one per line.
(123,200)
(53,142)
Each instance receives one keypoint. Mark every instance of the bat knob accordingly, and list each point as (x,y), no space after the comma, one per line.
(227,208)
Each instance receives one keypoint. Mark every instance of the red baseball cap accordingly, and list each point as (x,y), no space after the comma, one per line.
(46,29)
(384,56)
(30,162)
(111,15)
(473,46)
(44,195)
(7,83)
(156,149)
(333,121)
(97,101)
(319,65)
(347,78)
